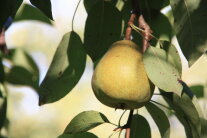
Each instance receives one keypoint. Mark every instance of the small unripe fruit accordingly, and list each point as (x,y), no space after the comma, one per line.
(120,80)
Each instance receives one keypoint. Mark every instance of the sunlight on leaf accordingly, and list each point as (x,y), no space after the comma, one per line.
(85,121)
(28,12)
(65,71)
(187,110)
(190,27)
(163,67)
(24,70)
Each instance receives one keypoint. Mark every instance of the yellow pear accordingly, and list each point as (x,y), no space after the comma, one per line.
(120,80)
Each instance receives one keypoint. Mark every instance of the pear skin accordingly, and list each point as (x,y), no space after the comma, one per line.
(120,80)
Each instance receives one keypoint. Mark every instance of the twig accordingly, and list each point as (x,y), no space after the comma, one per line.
(140,30)
(127,125)
(114,133)
(129,29)
(146,34)
(3,46)
(127,134)
(119,123)
(74,14)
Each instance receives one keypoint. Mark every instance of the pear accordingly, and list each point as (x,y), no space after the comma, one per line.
(120,80)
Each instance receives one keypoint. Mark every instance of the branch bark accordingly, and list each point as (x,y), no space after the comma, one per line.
(146,35)
(136,14)
(129,29)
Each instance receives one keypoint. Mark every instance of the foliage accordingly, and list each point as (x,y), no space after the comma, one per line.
(65,70)
(106,23)
(86,121)
(190,24)
(140,127)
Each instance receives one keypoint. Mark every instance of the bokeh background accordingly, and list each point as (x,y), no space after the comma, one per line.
(28,120)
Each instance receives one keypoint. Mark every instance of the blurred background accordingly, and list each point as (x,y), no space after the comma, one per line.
(40,39)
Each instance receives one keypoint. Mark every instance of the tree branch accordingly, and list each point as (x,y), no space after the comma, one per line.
(142,24)
(146,34)
(129,29)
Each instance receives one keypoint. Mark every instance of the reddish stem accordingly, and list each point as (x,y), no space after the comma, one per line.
(3,46)
(146,34)
(127,134)
(127,125)
(143,25)
(129,29)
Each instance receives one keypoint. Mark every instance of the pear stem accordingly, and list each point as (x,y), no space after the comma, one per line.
(128,124)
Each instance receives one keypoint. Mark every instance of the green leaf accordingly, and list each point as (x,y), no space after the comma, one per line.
(103,27)
(160,119)
(18,75)
(3,109)
(24,70)
(65,71)
(163,67)
(153,4)
(190,27)
(19,57)
(17,4)
(126,11)
(8,8)
(78,135)
(28,12)
(204,128)
(187,110)
(187,90)
(22,63)
(85,121)
(89,4)
(1,71)
(160,25)
(140,127)
(44,6)
(198,90)
(113,2)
